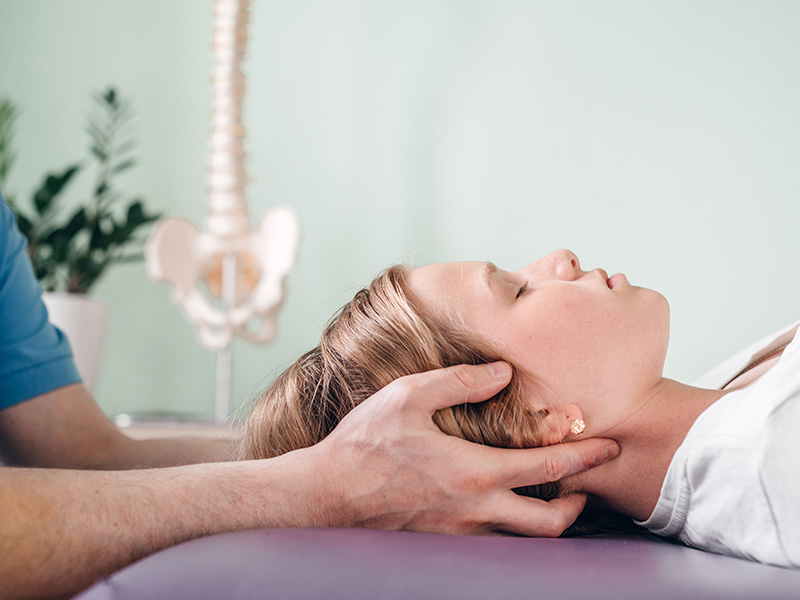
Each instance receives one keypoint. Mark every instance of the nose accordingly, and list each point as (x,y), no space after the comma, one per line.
(566,265)
(562,264)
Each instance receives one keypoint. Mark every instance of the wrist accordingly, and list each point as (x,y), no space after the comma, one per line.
(292,490)
(316,493)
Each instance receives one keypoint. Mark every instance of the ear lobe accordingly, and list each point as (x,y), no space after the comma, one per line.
(574,418)
(562,422)
(555,416)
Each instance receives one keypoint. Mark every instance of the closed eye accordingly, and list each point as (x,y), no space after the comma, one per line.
(522,290)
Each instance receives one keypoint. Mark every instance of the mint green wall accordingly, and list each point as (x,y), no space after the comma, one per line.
(661,139)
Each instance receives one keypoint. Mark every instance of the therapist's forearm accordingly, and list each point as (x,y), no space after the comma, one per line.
(65,429)
(166,452)
(62,530)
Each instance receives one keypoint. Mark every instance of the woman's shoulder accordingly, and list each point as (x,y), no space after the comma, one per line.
(722,373)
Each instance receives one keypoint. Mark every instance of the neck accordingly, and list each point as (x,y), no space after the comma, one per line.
(648,439)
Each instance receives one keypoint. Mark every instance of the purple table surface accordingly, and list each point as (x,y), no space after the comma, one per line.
(294,564)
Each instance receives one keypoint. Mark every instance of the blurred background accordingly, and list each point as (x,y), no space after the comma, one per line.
(660,139)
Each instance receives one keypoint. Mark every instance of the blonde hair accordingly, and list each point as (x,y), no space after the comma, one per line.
(376,338)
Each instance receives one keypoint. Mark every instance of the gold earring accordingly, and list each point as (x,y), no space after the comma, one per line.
(576,426)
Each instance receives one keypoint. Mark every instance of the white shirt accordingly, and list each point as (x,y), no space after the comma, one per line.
(733,486)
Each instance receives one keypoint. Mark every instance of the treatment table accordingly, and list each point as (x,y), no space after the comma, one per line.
(293,564)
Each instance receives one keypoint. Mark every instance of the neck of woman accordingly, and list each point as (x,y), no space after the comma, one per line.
(631,484)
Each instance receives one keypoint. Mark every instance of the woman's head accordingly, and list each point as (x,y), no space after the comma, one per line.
(376,338)
(582,344)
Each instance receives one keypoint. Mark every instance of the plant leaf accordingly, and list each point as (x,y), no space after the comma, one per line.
(84,272)
(125,147)
(8,121)
(136,213)
(99,153)
(123,166)
(51,187)
(99,137)
(100,238)
(61,242)
(24,224)
(137,216)
(131,258)
(101,189)
(76,223)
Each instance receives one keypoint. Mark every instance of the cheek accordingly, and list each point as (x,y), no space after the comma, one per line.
(548,344)
(585,336)
(584,333)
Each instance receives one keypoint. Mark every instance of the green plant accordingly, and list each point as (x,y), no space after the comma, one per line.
(71,253)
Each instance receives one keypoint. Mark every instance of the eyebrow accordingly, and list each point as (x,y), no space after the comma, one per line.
(488,275)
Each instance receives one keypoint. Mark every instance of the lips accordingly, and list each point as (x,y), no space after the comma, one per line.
(604,275)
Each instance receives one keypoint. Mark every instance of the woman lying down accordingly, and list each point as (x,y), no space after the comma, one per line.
(716,464)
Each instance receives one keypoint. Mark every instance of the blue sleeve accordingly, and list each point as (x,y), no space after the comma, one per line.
(35,356)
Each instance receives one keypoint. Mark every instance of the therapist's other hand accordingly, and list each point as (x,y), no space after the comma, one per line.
(388,466)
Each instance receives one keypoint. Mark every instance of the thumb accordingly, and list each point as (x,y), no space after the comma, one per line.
(442,388)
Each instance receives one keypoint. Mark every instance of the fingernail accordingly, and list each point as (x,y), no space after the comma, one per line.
(499,370)
(612,449)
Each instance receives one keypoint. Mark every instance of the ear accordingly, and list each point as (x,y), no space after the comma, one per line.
(557,423)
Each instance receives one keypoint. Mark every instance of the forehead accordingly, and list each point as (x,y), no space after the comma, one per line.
(441,276)
(445,287)
(449,272)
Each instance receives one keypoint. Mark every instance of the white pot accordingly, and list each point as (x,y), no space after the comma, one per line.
(83,321)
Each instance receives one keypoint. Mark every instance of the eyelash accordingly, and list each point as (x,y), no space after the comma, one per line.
(522,290)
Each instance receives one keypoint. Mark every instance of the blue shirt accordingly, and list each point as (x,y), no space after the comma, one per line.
(35,356)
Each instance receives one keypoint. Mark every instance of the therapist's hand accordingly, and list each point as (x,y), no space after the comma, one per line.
(388,466)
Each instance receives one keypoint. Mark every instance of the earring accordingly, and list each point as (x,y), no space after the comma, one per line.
(576,426)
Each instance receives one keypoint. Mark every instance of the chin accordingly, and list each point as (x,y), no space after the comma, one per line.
(663,322)
(658,317)
(665,309)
